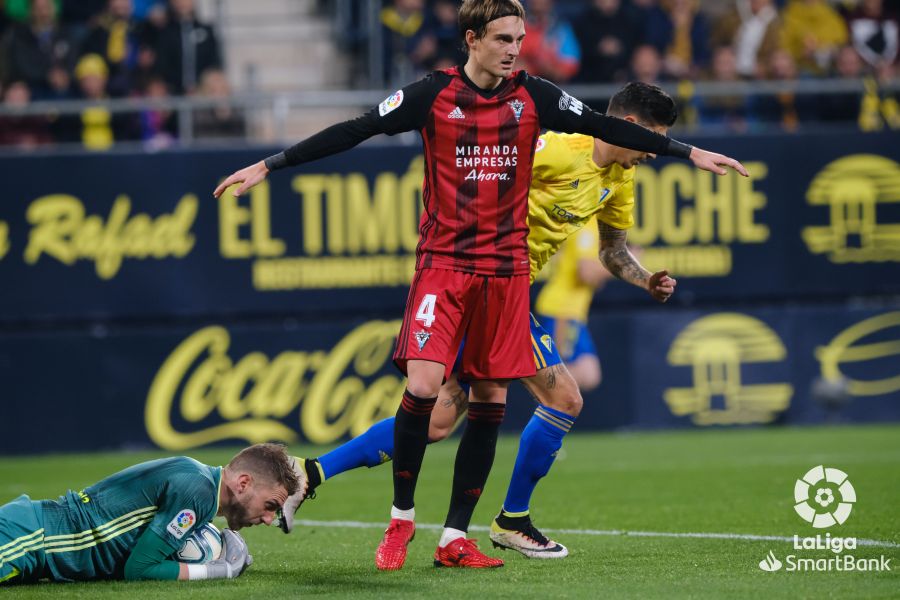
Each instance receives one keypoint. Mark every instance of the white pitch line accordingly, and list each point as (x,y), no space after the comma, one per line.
(604,532)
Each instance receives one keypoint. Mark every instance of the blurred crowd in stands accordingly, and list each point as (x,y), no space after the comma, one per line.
(683,42)
(98,49)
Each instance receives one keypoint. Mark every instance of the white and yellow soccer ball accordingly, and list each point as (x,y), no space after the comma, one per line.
(201,546)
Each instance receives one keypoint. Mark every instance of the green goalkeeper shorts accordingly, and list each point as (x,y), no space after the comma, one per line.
(21,542)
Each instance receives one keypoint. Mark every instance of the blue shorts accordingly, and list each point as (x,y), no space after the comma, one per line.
(572,337)
(543,347)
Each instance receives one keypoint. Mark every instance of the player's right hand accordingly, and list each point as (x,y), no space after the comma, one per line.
(247,177)
(234,560)
(661,286)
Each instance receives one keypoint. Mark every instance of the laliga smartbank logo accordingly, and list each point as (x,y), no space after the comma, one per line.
(857,191)
(824,497)
(716,347)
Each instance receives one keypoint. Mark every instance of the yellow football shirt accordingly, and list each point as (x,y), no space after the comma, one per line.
(568,191)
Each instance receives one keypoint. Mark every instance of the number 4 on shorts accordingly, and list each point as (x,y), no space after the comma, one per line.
(426,310)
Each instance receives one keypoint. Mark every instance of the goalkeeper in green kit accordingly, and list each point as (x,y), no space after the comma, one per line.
(129,525)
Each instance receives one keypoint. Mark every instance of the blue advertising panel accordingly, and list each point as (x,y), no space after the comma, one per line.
(178,387)
(802,364)
(140,236)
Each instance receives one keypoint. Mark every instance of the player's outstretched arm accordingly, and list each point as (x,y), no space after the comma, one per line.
(622,263)
(404,110)
(560,111)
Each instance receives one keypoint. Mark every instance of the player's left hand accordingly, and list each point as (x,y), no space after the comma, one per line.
(716,163)
(661,286)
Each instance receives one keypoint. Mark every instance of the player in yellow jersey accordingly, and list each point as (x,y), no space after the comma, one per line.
(577,180)
(563,303)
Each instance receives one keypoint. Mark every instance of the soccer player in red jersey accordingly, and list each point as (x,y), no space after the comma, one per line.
(479,124)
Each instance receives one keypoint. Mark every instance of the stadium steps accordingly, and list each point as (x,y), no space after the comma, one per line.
(280,45)
(283,46)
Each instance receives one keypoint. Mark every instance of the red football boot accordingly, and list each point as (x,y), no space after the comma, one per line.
(464,553)
(391,553)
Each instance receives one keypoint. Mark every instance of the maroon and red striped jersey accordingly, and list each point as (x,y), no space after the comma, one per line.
(479,150)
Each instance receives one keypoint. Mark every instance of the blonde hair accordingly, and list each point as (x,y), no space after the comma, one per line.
(268,462)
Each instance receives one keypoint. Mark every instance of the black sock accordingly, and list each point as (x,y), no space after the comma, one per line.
(312,473)
(474,459)
(410,439)
(507,522)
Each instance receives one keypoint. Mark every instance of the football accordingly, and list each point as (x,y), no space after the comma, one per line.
(201,546)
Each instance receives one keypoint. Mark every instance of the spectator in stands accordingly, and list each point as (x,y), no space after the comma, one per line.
(32,50)
(786,109)
(19,10)
(96,128)
(646,65)
(186,48)
(550,48)
(150,31)
(812,33)
(753,28)
(439,40)
(681,35)
(221,121)
(158,128)
(22,131)
(402,30)
(114,36)
(843,107)
(874,34)
(59,81)
(733,112)
(607,33)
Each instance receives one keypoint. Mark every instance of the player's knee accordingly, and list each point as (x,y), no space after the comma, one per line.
(423,388)
(568,401)
(574,404)
(424,378)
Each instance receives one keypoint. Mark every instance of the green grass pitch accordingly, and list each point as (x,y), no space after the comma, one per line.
(608,497)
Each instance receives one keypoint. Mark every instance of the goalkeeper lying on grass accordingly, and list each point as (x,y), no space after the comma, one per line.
(129,525)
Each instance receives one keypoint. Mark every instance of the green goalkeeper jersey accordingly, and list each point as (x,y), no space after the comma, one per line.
(90,534)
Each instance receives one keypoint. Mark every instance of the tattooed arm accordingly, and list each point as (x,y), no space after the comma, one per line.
(616,257)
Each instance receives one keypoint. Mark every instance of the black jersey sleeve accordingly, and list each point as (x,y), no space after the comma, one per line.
(559,111)
(404,110)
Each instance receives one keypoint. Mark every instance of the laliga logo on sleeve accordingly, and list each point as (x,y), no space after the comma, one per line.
(182,522)
(824,497)
(390,103)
